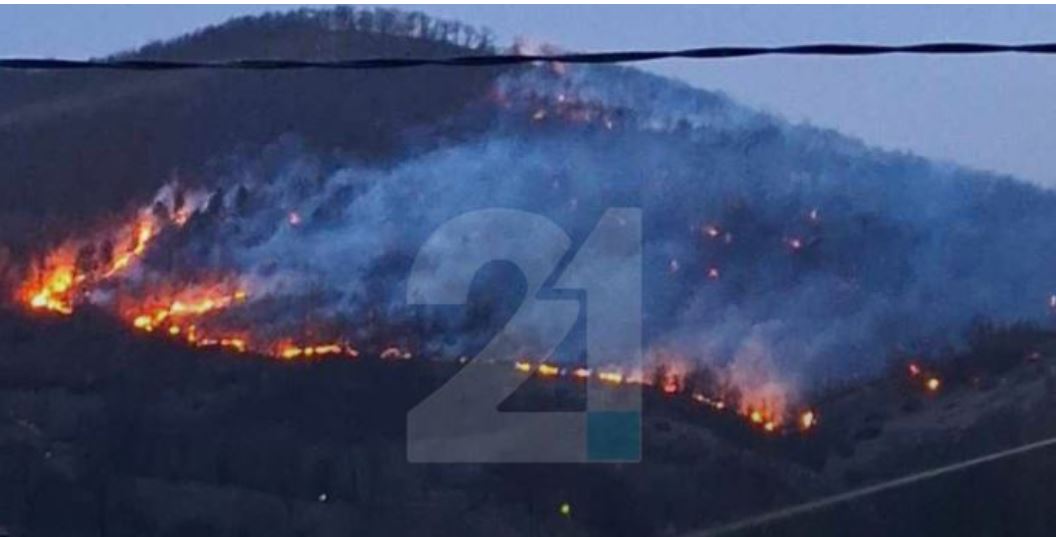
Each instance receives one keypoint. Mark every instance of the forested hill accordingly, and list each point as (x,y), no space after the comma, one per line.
(75,145)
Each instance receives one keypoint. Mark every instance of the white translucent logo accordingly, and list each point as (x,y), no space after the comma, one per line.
(460,422)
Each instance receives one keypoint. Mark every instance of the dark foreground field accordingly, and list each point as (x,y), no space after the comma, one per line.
(107,433)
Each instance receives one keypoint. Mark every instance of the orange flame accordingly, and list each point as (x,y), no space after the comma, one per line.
(53,293)
(290,351)
(547,370)
(57,285)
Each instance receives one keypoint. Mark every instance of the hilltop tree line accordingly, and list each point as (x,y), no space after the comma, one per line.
(375,20)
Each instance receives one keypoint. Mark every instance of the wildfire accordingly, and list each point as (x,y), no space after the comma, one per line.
(54,293)
(66,272)
(77,267)
(237,344)
(547,370)
(764,411)
(172,311)
(671,384)
(290,351)
(190,312)
(765,418)
(930,382)
(143,232)
(611,377)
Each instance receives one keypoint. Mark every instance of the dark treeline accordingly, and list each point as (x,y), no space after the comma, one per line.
(382,21)
(76,147)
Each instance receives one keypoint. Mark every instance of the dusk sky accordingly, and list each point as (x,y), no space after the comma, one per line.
(992,112)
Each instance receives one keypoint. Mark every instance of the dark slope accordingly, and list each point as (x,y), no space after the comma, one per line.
(78,145)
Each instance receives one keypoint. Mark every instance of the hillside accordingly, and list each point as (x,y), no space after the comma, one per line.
(208,330)
(80,145)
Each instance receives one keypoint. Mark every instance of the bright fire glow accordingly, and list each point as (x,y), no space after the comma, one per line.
(288,350)
(611,377)
(183,311)
(933,384)
(54,293)
(60,281)
(548,370)
(807,420)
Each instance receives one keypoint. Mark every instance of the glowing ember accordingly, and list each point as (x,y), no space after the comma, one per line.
(713,273)
(394,353)
(237,344)
(143,322)
(290,351)
(807,420)
(547,370)
(294,218)
(914,370)
(933,384)
(712,231)
(670,388)
(795,243)
(611,377)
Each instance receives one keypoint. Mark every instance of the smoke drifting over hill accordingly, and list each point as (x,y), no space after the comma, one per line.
(786,254)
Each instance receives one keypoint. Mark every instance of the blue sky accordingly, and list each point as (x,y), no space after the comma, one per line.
(993,112)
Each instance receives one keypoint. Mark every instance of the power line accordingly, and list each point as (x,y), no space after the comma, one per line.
(707,53)
(843,497)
